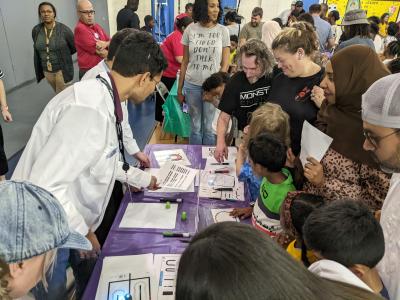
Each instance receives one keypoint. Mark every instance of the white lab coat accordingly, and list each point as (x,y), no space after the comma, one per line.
(389,266)
(130,143)
(73,153)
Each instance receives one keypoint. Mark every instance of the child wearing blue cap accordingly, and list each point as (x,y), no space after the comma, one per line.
(33,225)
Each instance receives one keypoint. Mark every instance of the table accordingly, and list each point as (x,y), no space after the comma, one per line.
(127,241)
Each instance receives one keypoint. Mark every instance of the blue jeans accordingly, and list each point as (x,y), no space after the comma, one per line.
(201,114)
(57,280)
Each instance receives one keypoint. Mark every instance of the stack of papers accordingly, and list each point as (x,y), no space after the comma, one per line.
(175,176)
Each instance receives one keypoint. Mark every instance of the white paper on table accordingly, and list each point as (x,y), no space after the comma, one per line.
(155,172)
(207,152)
(223,215)
(174,176)
(149,215)
(166,267)
(206,188)
(131,274)
(314,143)
(174,155)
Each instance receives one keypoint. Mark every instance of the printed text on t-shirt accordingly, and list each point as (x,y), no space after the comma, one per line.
(248,98)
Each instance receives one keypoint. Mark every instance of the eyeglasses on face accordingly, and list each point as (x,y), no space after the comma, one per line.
(87,12)
(375,140)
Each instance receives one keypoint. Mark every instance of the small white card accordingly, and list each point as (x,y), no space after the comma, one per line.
(223,215)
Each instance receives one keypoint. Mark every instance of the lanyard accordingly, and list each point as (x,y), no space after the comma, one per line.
(48,37)
(118,126)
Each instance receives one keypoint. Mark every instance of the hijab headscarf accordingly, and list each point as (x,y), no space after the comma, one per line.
(269,31)
(355,69)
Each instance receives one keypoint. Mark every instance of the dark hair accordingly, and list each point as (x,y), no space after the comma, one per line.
(183,22)
(215,80)
(200,11)
(49,4)
(139,53)
(268,152)
(302,206)
(383,17)
(394,66)
(234,38)
(148,19)
(345,231)
(257,11)
(306,17)
(188,5)
(392,29)
(357,29)
(232,16)
(315,8)
(335,14)
(116,41)
(133,4)
(279,21)
(374,19)
(393,48)
(232,261)
(373,28)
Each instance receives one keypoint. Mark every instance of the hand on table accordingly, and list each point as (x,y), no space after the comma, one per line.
(153,184)
(96,248)
(143,159)
(221,152)
(314,172)
(242,213)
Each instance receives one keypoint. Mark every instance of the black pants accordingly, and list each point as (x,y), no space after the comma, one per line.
(169,82)
(110,214)
(3,158)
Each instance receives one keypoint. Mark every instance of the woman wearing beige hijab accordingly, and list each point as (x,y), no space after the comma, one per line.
(269,31)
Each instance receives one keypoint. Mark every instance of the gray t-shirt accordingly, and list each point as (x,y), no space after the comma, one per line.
(324,32)
(357,40)
(250,32)
(205,50)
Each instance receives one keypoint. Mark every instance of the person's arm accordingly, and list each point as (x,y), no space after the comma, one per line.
(3,102)
(130,143)
(221,151)
(243,36)
(331,43)
(69,38)
(85,40)
(75,145)
(177,47)
(184,65)
(240,158)
(179,59)
(225,59)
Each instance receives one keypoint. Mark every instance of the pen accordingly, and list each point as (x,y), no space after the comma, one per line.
(221,172)
(223,189)
(176,234)
(220,164)
(171,200)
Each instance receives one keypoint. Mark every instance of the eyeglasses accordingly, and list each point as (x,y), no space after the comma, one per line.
(87,12)
(374,141)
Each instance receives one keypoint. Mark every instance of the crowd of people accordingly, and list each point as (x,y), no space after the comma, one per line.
(325,229)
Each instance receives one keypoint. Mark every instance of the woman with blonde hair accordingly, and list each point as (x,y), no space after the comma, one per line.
(268,118)
(33,225)
(294,50)
(269,32)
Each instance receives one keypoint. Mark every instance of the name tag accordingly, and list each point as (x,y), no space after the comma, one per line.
(112,153)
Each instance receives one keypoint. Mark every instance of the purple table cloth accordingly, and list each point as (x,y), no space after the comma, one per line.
(128,241)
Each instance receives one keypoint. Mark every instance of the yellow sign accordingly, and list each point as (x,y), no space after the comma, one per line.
(373,7)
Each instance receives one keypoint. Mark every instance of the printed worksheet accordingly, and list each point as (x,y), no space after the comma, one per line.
(208,152)
(223,215)
(175,176)
(166,267)
(155,172)
(175,155)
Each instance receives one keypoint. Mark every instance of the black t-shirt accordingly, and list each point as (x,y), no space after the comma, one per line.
(294,96)
(240,98)
(127,18)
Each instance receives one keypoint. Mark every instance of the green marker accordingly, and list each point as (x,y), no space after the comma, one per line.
(176,234)
(184,216)
(168,205)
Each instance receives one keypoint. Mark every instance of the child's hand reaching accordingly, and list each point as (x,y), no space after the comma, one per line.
(242,213)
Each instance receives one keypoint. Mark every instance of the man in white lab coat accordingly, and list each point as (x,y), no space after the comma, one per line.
(74,150)
(381,116)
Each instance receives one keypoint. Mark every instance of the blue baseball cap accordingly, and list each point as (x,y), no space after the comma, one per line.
(32,222)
